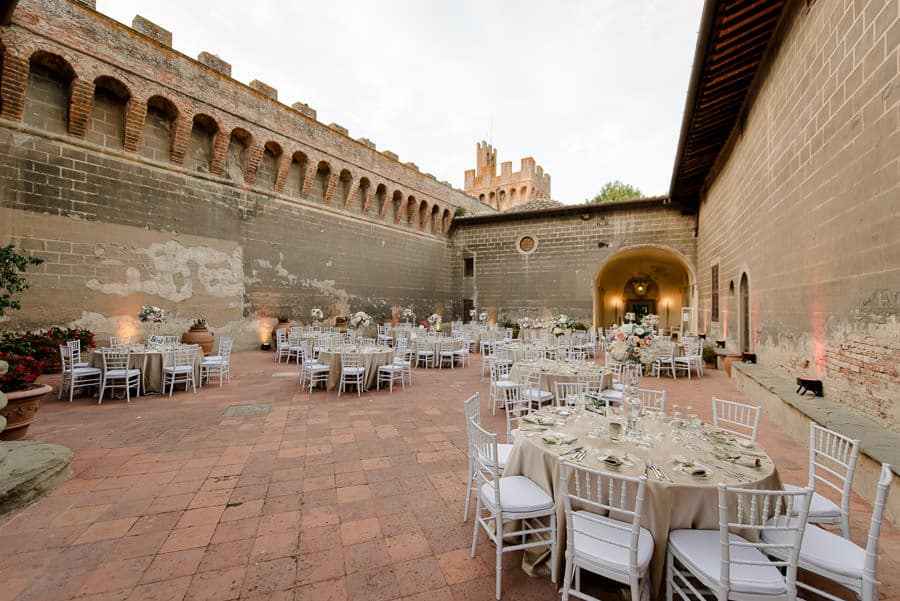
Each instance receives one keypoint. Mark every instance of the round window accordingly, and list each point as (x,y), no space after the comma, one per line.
(527,244)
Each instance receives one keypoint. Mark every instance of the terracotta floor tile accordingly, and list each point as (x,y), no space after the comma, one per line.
(268,576)
(373,585)
(274,546)
(279,522)
(398,523)
(164,590)
(115,575)
(418,575)
(106,530)
(440,594)
(204,515)
(226,555)
(360,531)
(155,523)
(79,515)
(319,516)
(242,510)
(404,547)
(188,538)
(325,590)
(458,567)
(320,565)
(216,585)
(235,530)
(319,538)
(173,565)
(365,556)
(139,545)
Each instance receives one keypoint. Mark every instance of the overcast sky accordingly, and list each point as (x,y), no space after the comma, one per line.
(593,90)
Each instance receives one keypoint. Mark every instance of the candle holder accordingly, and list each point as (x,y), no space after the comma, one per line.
(720,343)
(265,346)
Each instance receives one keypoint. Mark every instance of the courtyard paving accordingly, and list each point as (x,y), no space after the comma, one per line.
(297,498)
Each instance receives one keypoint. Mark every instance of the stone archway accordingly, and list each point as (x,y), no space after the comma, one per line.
(644,278)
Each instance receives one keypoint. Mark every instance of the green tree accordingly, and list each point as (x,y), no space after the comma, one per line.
(12,264)
(617,191)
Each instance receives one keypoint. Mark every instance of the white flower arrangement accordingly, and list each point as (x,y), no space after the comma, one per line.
(317,314)
(482,316)
(473,313)
(434,319)
(632,343)
(408,314)
(650,321)
(525,322)
(560,324)
(629,317)
(151,313)
(360,319)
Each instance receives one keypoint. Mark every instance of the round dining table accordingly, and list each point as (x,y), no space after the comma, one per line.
(682,495)
(371,356)
(556,371)
(151,359)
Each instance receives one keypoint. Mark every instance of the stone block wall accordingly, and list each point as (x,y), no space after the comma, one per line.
(571,245)
(805,200)
(143,176)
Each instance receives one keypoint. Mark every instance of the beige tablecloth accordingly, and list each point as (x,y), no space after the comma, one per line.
(558,371)
(684,503)
(151,363)
(371,359)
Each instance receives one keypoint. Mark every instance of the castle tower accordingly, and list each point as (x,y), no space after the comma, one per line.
(508,189)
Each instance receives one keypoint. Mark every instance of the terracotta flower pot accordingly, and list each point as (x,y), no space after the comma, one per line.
(201,336)
(281,325)
(20,409)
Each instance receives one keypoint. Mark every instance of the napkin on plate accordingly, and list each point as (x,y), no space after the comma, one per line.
(690,468)
(611,460)
(738,459)
(558,438)
(537,418)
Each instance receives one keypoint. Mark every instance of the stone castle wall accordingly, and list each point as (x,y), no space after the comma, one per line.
(143,176)
(571,245)
(806,202)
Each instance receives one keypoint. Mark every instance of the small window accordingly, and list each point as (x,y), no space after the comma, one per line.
(469,267)
(526,244)
(715,293)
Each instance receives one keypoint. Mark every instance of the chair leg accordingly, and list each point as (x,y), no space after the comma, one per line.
(670,566)
(475,526)
(468,491)
(567,582)
(499,558)
(553,548)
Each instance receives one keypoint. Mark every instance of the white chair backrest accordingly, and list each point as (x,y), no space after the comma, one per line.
(483,451)
(115,341)
(592,378)
(499,369)
(115,358)
(293,337)
(570,393)
(184,356)
(621,497)
(532,355)
(65,357)
(472,408)
(870,567)
(758,511)
(832,462)
(225,345)
(654,400)
(281,337)
(351,360)
(666,349)
(736,418)
(516,408)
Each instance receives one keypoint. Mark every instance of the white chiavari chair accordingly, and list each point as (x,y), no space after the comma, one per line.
(312,373)
(447,353)
(181,371)
(75,375)
(218,364)
(832,465)
(352,372)
(508,499)
(736,418)
(653,400)
(118,374)
(472,410)
(532,391)
(569,394)
(665,359)
(732,567)
(604,534)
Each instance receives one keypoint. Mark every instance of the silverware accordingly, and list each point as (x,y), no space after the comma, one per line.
(574,450)
(661,471)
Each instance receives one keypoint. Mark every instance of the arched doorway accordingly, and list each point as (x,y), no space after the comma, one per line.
(645,279)
(744,312)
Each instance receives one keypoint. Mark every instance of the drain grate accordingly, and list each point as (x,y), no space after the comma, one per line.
(248,410)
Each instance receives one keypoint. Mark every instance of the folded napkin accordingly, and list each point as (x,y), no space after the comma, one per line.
(686,466)
(539,419)
(558,438)
(742,460)
(612,460)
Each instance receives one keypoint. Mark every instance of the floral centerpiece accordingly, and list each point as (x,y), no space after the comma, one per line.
(650,320)
(317,314)
(629,317)
(473,313)
(360,319)
(482,316)
(151,314)
(408,315)
(525,322)
(632,343)
(561,324)
(199,323)
(434,320)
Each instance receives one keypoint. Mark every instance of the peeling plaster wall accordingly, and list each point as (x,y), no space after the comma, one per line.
(805,201)
(149,235)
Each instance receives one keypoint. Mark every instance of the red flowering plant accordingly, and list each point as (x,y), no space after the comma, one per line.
(23,371)
(43,345)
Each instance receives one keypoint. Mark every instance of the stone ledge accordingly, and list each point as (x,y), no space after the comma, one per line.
(777,395)
(878,442)
(30,470)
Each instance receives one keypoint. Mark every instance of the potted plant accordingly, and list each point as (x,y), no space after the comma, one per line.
(709,356)
(284,323)
(23,395)
(199,334)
